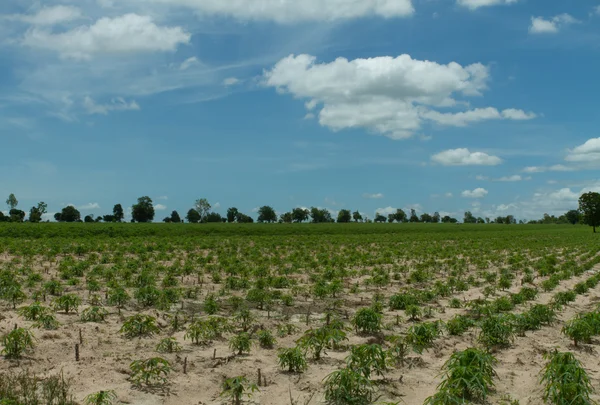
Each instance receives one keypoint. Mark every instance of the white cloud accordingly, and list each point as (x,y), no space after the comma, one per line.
(386,211)
(188,63)
(386,95)
(375,196)
(588,152)
(540,25)
(543,169)
(448,195)
(87,207)
(160,207)
(477,193)
(163,197)
(120,35)
(515,177)
(475,4)
(231,81)
(464,157)
(48,16)
(216,205)
(291,11)
(481,177)
(116,104)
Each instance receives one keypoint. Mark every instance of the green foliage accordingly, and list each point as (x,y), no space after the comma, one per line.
(367,320)
(67,303)
(94,314)
(316,340)
(565,381)
(47,321)
(28,389)
(241,343)
(348,387)
(266,339)
(236,387)
(367,359)
(459,324)
(101,398)
(204,330)
(168,345)
(34,311)
(496,331)
(293,359)
(139,325)
(211,306)
(421,336)
(17,342)
(467,376)
(589,206)
(153,371)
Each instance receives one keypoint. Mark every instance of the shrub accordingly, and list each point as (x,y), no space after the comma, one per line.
(94,314)
(211,306)
(367,359)
(348,386)
(414,312)
(236,387)
(17,342)
(153,371)
(33,311)
(459,325)
(421,336)
(240,343)
(565,381)
(266,339)
(293,359)
(579,330)
(139,325)
(168,345)
(317,340)
(367,320)
(47,321)
(402,301)
(496,330)
(67,303)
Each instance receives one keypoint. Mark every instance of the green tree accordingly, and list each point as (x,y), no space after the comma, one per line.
(35,214)
(202,207)
(300,215)
(118,214)
(175,218)
(413,216)
(357,216)
(16,215)
(469,218)
(267,214)
(572,216)
(12,202)
(213,217)
(143,211)
(193,217)
(88,219)
(232,214)
(436,218)
(286,218)
(589,205)
(344,216)
(320,216)
(379,217)
(69,214)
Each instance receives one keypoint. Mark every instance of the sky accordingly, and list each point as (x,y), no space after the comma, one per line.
(488,106)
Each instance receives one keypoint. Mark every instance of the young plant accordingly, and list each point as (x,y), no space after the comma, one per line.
(414,312)
(367,359)
(565,381)
(496,331)
(421,336)
(168,345)
(94,314)
(317,340)
(33,311)
(139,325)
(47,321)
(17,342)
(235,388)
(266,339)
(67,303)
(241,343)
(152,371)
(348,387)
(101,398)
(367,320)
(579,330)
(293,359)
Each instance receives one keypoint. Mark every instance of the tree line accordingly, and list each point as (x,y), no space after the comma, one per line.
(143,211)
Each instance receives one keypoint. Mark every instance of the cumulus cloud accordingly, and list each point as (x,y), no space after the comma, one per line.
(477,193)
(375,196)
(87,207)
(290,11)
(125,34)
(48,16)
(540,25)
(588,152)
(386,211)
(386,95)
(475,4)
(464,157)
(116,104)
(160,207)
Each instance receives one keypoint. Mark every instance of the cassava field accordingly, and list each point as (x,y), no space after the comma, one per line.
(339,314)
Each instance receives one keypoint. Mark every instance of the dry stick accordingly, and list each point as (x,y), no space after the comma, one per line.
(259,378)
(264,381)
(77,352)
(80,337)
(185,366)
(215,354)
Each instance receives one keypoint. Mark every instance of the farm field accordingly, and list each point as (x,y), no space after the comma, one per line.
(377,307)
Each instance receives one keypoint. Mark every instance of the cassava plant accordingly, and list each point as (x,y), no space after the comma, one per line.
(236,388)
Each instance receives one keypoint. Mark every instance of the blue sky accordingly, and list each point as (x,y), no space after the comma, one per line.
(441,105)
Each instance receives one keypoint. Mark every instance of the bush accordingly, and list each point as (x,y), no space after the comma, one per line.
(367,359)
(367,320)
(421,336)
(347,387)
(266,339)
(402,301)
(293,359)
(17,342)
(47,321)
(236,387)
(240,343)
(33,311)
(168,345)
(94,314)
(152,371)
(565,381)
(496,330)
(139,325)
(317,340)
(459,325)
(67,303)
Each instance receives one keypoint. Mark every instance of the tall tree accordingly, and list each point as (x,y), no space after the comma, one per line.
(88,219)
(413,216)
(175,218)
(35,214)
(572,216)
(357,217)
(300,215)
(143,211)
(193,217)
(379,218)
(436,218)
(16,215)
(267,214)
(232,214)
(12,202)
(469,218)
(118,214)
(203,207)
(344,216)
(286,218)
(213,217)
(426,218)
(319,216)
(69,214)
(589,205)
